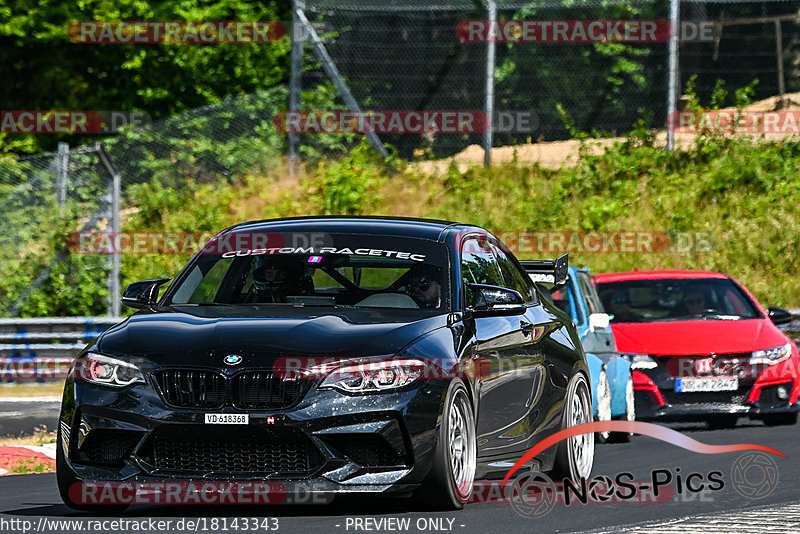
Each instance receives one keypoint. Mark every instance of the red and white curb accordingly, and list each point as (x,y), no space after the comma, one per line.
(11,456)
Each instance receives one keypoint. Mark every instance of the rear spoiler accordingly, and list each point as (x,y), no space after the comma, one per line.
(552,272)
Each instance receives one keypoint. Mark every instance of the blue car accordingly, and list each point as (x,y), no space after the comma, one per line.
(612,383)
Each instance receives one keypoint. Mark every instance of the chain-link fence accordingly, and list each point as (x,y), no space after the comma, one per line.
(752,41)
(409,56)
(222,140)
(414,59)
(43,199)
(49,200)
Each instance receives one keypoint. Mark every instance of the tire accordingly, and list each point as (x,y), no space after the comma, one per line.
(575,455)
(780,419)
(65,479)
(449,484)
(630,414)
(603,406)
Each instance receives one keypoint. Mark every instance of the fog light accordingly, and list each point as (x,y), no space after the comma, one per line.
(782,393)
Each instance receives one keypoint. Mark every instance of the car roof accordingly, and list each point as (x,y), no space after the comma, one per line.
(656,275)
(394,226)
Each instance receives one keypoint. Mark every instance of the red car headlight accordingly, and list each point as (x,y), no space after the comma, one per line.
(771,356)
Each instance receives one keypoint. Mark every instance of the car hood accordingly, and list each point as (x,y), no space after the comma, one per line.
(189,339)
(686,338)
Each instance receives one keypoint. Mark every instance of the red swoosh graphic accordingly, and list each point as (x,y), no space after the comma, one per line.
(637,427)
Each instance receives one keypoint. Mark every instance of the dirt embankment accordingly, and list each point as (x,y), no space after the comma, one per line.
(553,154)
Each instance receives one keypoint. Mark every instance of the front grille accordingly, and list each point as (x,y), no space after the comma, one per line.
(712,365)
(284,452)
(191,388)
(262,389)
(247,389)
(670,367)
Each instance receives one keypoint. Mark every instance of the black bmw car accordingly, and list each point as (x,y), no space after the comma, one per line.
(339,354)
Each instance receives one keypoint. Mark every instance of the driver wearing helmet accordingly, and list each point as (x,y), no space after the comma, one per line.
(276,277)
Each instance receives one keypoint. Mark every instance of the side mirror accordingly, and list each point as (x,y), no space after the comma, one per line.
(142,294)
(779,316)
(599,321)
(495,301)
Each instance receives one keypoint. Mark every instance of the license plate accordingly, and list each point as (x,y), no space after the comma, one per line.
(688,385)
(227,418)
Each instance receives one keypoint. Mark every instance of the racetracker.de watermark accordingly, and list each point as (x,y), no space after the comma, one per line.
(151,242)
(405,122)
(390,370)
(727,366)
(605,242)
(193,493)
(582,31)
(397,122)
(226,244)
(35,368)
(726,121)
(177,32)
(70,122)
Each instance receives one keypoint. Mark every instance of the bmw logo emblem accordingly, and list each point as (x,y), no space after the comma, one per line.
(232,359)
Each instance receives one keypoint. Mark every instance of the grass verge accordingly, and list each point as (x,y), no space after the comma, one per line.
(48,389)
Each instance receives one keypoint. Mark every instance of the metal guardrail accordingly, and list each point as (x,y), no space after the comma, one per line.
(43,348)
(50,336)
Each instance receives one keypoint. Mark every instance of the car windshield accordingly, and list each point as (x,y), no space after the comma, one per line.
(640,301)
(361,271)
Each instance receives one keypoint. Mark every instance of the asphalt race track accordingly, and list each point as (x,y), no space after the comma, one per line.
(21,416)
(34,498)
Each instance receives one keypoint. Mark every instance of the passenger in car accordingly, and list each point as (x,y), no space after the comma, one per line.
(424,286)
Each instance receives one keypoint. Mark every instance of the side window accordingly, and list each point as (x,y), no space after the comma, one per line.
(512,276)
(207,287)
(478,266)
(589,294)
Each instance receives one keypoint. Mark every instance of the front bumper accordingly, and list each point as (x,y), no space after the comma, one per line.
(698,408)
(774,391)
(328,442)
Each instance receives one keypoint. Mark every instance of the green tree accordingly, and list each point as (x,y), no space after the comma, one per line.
(45,70)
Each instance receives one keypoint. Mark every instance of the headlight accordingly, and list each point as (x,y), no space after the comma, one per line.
(771,356)
(640,361)
(99,369)
(374,375)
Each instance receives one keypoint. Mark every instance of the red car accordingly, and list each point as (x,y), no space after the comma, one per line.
(702,348)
